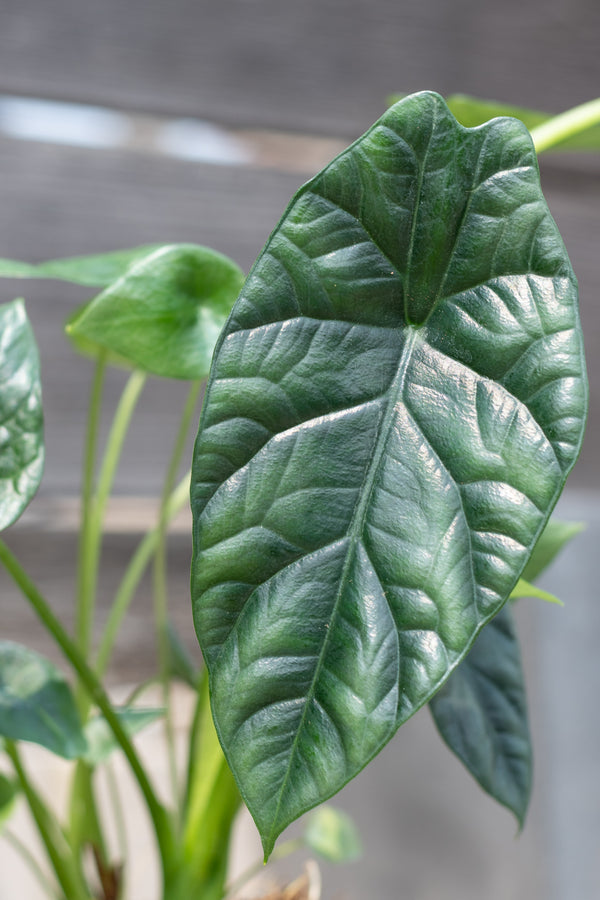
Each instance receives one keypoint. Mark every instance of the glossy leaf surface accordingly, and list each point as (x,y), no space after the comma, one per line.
(393,407)
(36,702)
(481,713)
(99,270)
(21,419)
(166,312)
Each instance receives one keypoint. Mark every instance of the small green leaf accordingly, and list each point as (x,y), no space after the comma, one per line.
(553,538)
(333,835)
(36,702)
(8,793)
(393,408)
(473,111)
(21,419)
(92,271)
(100,739)
(481,713)
(166,312)
(524,588)
(89,348)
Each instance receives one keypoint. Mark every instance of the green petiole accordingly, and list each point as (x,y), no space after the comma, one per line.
(160,818)
(565,125)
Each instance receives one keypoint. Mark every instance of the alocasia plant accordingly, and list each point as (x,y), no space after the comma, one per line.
(394,404)
(393,407)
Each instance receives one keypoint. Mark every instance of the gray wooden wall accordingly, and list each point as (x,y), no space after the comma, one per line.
(312,64)
(320,67)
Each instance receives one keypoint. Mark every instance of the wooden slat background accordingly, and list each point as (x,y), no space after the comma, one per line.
(323,65)
(310,67)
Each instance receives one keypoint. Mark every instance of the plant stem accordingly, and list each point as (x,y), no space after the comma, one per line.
(84,818)
(114,445)
(195,733)
(63,863)
(559,128)
(133,575)
(95,507)
(85,828)
(85,572)
(160,578)
(160,819)
(115,799)
(212,801)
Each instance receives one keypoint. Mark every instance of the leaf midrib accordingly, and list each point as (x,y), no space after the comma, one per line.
(352,536)
(415,215)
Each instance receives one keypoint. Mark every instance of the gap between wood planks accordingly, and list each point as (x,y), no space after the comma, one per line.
(191,139)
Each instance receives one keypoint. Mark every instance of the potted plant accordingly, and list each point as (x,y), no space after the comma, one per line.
(395,401)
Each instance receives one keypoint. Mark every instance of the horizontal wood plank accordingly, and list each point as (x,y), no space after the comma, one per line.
(63,201)
(323,65)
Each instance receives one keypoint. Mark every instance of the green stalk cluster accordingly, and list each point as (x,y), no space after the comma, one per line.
(192,837)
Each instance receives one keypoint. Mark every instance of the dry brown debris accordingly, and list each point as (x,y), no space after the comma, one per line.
(306,887)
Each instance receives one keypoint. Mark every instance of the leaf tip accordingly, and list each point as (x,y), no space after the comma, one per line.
(267,850)
(520,815)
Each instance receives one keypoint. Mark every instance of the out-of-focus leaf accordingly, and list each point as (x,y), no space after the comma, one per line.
(21,418)
(8,792)
(166,312)
(100,739)
(36,702)
(481,713)
(181,665)
(473,111)
(333,835)
(89,348)
(553,538)
(99,270)
(393,407)
(524,588)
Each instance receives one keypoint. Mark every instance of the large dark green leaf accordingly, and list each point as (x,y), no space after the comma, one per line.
(21,421)
(165,313)
(481,713)
(93,271)
(36,703)
(393,408)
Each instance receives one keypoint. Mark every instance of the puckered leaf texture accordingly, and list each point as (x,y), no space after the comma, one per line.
(393,407)
(21,417)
